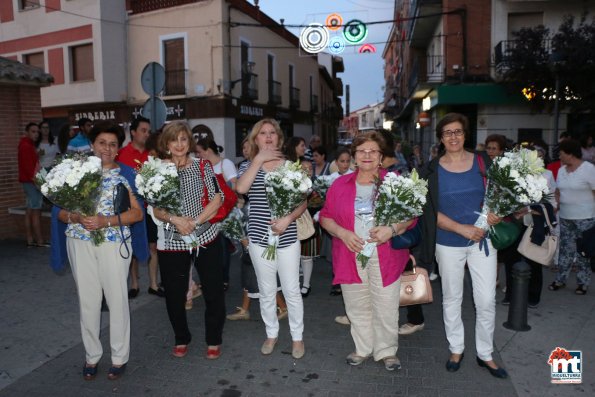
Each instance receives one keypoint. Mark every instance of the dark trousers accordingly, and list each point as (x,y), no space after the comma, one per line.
(175,269)
(510,256)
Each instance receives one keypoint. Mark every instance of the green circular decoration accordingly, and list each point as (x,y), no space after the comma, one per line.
(355,31)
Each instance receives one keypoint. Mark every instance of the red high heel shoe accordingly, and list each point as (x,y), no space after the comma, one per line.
(213,353)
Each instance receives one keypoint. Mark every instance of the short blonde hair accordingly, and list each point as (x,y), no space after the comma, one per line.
(170,133)
(256,130)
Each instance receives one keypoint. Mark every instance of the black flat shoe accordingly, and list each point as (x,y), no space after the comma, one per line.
(336,290)
(159,292)
(580,290)
(555,286)
(498,372)
(453,366)
(305,291)
(133,293)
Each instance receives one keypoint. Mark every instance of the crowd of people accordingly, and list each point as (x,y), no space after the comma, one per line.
(451,244)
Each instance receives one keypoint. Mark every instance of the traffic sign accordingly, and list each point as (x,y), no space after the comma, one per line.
(156,111)
(153,78)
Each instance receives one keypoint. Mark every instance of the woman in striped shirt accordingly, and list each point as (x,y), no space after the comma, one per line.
(266,140)
(175,145)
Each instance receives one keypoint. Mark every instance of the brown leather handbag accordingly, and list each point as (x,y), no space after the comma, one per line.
(415,286)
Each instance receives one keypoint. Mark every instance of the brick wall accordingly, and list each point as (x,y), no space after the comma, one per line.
(19,105)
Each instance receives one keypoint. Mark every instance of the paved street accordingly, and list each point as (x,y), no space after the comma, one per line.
(42,354)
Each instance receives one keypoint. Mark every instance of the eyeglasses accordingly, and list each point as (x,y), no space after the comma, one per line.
(451,133)
(371,152)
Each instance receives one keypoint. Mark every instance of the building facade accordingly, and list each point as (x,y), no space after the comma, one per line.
(441,57)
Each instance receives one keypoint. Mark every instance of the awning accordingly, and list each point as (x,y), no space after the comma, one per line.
(475,94)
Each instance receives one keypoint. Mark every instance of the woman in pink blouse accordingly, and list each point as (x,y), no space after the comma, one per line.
(371,294)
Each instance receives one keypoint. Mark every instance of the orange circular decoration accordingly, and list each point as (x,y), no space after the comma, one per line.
(423,119)
(334,22)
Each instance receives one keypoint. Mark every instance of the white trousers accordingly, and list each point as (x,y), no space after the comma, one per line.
(101,271)
(483,269)
(287,265)
(373,311)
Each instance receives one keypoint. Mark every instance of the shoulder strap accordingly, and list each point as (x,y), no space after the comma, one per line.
(547,217)
(482,169)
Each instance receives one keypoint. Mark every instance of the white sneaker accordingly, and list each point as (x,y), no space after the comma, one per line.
(408,329)
(343,320)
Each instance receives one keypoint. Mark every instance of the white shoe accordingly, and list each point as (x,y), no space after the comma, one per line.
(408,329)
(343,320)
(433,276)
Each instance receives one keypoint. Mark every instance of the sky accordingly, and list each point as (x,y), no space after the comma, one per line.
(363,72)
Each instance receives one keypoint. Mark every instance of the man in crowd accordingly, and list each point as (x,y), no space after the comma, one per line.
(80,143)
(315,141)
(28,166)
(133,155)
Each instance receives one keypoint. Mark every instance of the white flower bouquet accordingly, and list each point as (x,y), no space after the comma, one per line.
(233,226)
(398,199)
(74,184)
(513,181)
(286,188)
(157,182)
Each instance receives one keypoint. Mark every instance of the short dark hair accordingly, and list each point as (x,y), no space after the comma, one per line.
(452,118)
(109,127)
(29,125)
(82,121)
(320,150)
(499,139)
(208,143)
(572,147)
(373,136)
(136,122)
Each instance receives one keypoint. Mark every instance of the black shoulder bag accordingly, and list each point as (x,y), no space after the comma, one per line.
(122,204)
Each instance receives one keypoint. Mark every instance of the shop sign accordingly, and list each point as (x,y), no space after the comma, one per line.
(172,111)
(99,115)
(251,111)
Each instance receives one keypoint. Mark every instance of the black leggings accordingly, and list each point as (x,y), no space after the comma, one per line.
(175,269)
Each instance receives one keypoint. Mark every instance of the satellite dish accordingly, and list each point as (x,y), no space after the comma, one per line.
(153,78)
(156,111)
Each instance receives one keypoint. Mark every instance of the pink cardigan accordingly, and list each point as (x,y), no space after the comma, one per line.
(339,206)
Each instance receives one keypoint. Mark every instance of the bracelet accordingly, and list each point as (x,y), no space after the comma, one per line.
(169,220)
(109,224)
(394,230)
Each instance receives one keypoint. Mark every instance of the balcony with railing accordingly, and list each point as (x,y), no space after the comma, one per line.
(435,68)
(503,52)
(250,86)
(175,82)
(294,98)
(140,6)
(274,92)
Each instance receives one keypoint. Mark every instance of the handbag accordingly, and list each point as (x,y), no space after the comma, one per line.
(504,234)
(585,244)
(415,286)
(305,226)
(543,253)
(229,196)
(409,239)
(121,199)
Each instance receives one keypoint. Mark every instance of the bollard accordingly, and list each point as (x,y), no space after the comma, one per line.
(517,311)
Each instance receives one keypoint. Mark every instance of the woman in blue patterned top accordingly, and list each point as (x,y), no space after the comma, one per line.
(101,270)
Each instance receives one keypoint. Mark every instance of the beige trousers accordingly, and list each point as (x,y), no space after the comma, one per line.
(101,271)
(373,311)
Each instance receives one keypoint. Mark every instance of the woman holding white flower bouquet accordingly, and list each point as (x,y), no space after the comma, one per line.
(370,286)
(455,195)
(185,237)
(99,267)
(283,256)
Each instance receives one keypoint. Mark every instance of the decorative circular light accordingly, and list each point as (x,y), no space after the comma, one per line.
(367,49)
(355,31)
(334,21)
(336,45)
(314,38)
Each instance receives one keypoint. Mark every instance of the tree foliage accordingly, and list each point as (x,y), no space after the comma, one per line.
(535,58)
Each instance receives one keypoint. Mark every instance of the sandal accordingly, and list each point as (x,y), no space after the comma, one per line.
(89,373)
(213,353)
(580,290)
(116,372)
(555,286)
